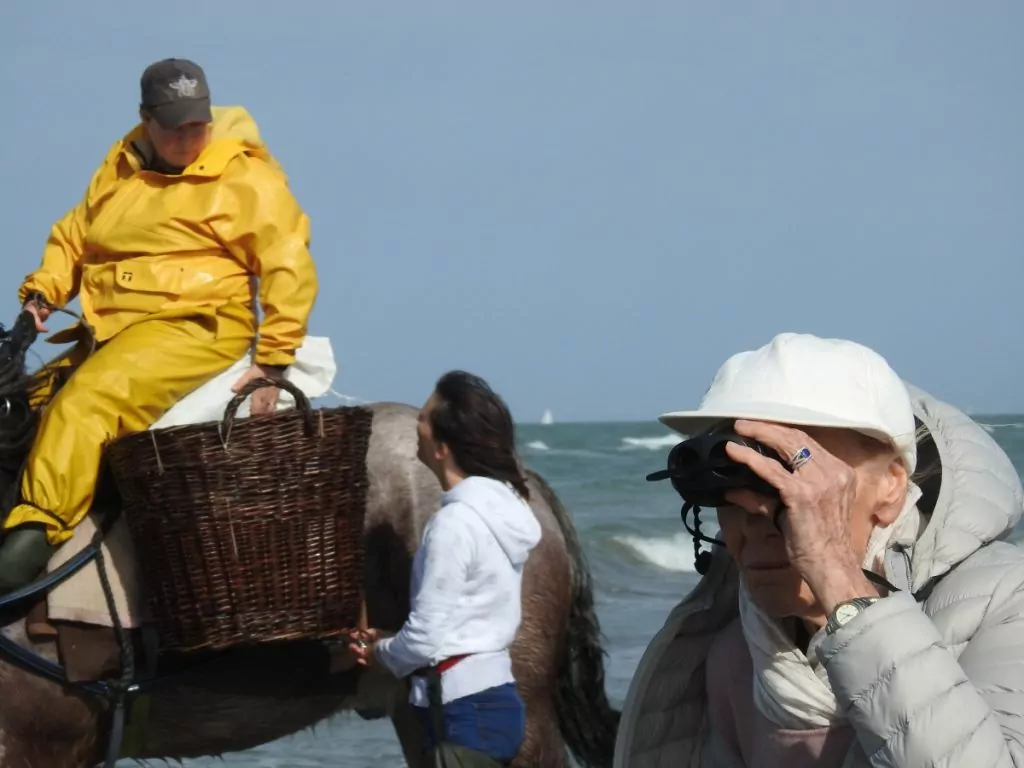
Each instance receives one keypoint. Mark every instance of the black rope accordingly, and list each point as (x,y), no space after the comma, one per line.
(701,557)
(123,688)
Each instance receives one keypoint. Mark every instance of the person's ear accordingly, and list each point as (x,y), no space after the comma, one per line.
(442,452)
(891,493)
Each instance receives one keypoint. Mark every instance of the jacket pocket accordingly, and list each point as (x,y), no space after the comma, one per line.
(139,276)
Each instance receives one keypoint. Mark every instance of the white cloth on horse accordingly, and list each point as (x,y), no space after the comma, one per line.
(80,598)
(312,372)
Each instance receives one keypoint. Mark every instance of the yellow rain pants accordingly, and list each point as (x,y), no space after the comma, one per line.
(125,386)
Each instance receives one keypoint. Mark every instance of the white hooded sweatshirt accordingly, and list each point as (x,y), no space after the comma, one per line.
(466,590)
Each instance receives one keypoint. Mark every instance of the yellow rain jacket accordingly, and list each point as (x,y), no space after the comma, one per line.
(164,266)
(142,242)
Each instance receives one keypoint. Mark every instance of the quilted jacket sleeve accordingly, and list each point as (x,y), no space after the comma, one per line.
(912,701)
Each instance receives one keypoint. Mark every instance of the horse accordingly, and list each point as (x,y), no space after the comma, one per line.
(242,697)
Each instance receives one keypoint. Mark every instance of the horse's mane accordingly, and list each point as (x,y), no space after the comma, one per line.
(17,420)
(14,381)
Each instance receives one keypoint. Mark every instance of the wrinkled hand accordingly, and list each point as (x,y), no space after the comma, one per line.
(818,499)
(263,400)
(40,312)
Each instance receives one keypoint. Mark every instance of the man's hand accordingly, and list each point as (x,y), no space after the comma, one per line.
(40,312)
(262,400)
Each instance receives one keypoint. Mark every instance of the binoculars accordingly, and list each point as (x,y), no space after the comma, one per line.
(701,472)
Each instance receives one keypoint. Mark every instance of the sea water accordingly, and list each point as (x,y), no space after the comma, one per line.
(640,557)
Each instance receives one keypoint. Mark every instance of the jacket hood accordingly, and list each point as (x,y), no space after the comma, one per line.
(234,133)
(973,498)
(503,511)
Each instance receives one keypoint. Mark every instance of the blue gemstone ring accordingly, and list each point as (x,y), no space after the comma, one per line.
(799,458)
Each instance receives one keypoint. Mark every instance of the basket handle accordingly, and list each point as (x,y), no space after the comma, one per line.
(301,402)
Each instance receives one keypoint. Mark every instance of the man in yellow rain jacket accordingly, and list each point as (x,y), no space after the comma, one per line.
(183,217)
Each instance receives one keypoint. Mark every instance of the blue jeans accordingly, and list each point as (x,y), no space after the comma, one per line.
(492,722)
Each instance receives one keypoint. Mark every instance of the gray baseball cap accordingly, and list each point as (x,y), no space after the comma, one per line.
(174,92)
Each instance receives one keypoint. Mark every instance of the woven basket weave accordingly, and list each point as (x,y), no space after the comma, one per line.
(249,531)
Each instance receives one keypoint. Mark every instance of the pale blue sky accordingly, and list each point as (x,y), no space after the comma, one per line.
(590,204)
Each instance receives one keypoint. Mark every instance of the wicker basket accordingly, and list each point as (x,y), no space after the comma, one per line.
(249,532)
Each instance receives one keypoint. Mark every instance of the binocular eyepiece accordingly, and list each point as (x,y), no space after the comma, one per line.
(701,471)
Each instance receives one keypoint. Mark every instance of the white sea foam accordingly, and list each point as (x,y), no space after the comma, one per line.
(673,553)
(538,445)
(651,443)
(990,428)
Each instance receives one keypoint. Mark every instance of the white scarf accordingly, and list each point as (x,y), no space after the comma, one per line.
(792,689)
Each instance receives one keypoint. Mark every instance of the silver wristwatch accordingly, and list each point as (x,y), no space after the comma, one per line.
(844,613)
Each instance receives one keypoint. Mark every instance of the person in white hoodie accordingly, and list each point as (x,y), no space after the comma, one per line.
(467,573)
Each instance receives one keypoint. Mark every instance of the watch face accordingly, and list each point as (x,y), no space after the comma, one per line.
(846,612)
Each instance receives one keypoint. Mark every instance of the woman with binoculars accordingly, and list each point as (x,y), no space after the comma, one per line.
(864,610)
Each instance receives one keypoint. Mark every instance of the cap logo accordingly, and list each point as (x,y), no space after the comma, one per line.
(184,87)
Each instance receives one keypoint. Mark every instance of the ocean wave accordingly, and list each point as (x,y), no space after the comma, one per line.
(539,446)
(651,443)
(991,428)
(673,553)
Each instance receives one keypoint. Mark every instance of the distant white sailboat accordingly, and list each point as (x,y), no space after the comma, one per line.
(547,418)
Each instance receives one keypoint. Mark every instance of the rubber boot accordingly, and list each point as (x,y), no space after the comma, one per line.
(24,552)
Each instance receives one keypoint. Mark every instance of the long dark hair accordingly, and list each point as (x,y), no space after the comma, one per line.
(474,422)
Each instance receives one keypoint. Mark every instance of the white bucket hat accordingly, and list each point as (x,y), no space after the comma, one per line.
(803,380)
